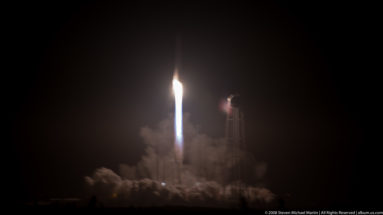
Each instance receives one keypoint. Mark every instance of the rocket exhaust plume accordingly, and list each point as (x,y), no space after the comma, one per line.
(178,133)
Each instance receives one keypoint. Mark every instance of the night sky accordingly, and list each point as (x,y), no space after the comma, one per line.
(85,77)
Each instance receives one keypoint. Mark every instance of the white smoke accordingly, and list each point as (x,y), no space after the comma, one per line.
(206,176)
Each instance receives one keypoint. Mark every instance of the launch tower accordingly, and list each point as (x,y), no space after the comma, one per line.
(236,144)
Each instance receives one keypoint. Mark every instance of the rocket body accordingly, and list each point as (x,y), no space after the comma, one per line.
(178,129)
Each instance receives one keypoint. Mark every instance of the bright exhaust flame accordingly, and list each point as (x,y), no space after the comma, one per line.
(178,91)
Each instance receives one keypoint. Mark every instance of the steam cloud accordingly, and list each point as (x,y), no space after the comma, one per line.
(207,174)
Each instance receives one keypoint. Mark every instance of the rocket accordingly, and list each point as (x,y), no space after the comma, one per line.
(178,93)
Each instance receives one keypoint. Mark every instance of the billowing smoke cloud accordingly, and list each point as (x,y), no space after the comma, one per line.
(113,190)
(210,175)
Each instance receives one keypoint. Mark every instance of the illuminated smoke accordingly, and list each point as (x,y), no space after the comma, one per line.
(153,180)
(178,91)
(116,191)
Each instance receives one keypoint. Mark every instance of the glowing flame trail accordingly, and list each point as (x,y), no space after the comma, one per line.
(178,91)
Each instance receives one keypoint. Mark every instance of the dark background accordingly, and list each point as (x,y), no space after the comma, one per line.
(83,78)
